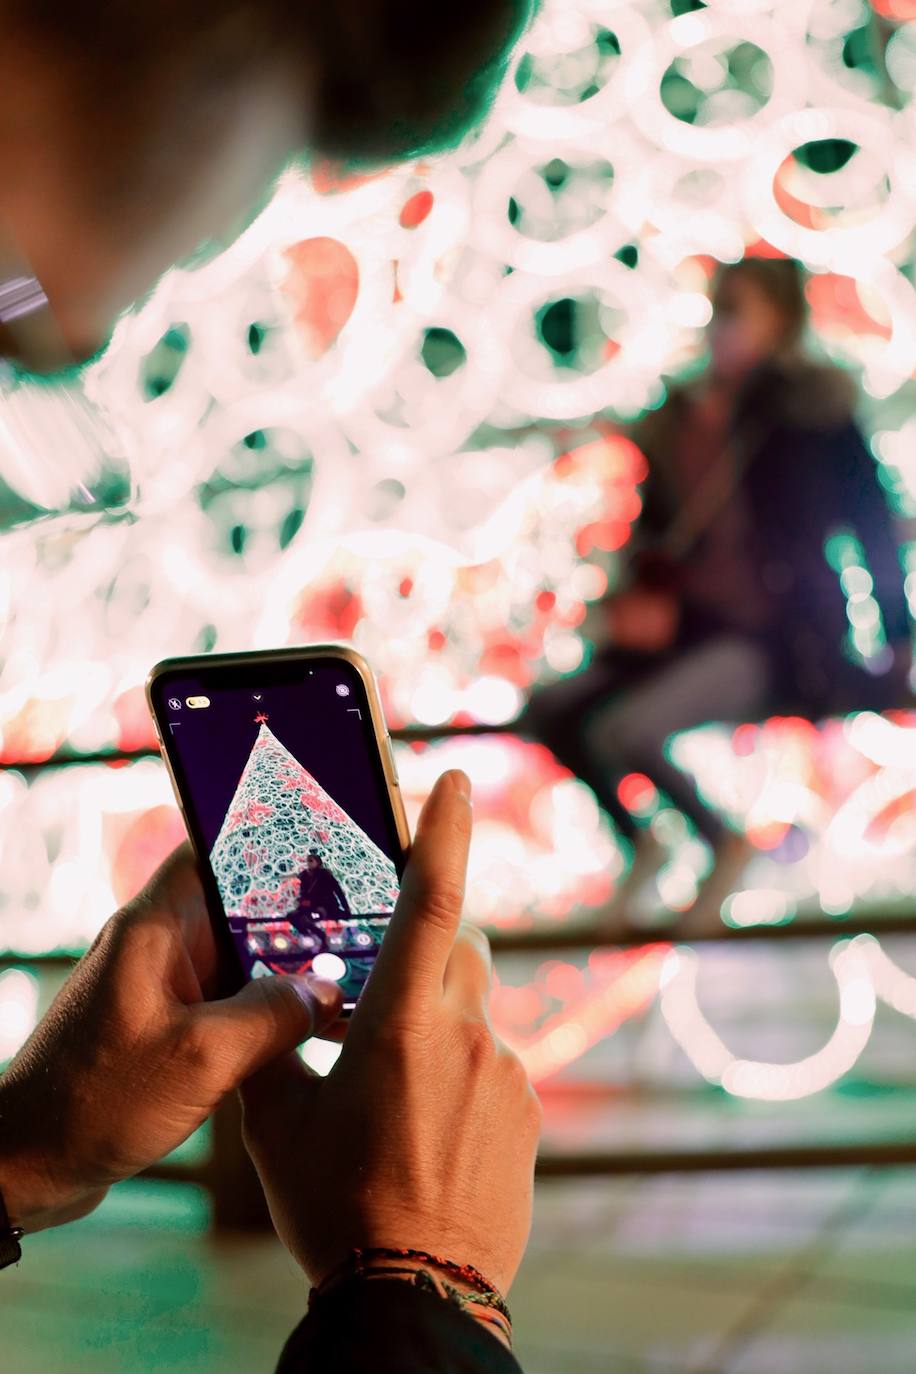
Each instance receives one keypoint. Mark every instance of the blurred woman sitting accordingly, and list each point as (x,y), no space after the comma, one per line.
(729,608)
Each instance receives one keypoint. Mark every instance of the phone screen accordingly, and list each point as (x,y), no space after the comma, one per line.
(285,793)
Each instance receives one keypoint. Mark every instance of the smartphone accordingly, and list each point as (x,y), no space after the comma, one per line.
(283,769)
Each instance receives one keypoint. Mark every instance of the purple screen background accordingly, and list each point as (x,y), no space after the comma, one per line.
(211,748)
(309,717)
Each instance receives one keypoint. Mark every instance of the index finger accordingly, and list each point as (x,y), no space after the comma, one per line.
(413,956)
(174,899)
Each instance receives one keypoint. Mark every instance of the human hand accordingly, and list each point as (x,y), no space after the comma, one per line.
(424,1133)
(131,1058)
(642,619)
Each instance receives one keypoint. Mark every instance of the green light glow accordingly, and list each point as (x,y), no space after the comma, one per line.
(846,556)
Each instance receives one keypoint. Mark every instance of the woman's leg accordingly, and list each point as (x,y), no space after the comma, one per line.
(556,716)
(724,679)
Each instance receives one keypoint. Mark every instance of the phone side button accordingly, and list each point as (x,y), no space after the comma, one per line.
(391,760)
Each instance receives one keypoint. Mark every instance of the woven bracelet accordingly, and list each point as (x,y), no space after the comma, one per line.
(484,1302)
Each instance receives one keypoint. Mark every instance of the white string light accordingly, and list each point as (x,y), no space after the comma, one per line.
(757,1079)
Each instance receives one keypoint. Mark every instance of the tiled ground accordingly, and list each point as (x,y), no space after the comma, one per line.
(724,1275)
(809,1273)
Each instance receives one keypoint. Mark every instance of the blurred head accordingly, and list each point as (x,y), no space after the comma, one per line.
(314,861)
(759,313)
(131,134)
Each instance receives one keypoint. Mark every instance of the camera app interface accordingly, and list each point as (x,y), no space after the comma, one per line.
(289,802)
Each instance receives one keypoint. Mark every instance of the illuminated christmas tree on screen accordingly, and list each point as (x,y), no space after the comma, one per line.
(279,814)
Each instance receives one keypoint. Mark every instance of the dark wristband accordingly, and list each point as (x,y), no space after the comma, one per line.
(10,1249)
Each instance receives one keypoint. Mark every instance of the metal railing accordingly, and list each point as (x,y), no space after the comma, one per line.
(230,1180)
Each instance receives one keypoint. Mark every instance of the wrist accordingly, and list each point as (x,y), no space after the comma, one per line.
(26,1197)
(462,1286)
(34,1195)
(34,1202)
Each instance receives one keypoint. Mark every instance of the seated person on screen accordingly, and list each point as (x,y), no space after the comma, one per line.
(321,896)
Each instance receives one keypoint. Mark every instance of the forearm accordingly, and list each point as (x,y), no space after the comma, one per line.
(387,1326)
(33,1181)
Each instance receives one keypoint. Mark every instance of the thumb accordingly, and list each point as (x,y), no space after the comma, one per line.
(267,1018)
(413,956)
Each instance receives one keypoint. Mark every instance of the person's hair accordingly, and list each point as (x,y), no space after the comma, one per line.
(383,80)
(398,78)
(781,280)
(313,854)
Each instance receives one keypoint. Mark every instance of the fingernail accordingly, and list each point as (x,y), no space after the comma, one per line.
(461,783)
(324,992)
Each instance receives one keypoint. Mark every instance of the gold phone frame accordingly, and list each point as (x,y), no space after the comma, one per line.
(300,654)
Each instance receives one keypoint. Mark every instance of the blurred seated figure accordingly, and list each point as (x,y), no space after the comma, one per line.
(728,607)
(320,894)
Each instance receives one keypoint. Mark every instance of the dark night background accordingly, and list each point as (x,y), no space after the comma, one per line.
(308,718)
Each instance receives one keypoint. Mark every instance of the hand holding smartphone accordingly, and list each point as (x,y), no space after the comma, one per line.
(282,767)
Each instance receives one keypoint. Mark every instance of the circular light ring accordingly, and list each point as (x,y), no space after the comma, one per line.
(334,491)
(756,1079)
(664,172)
(494,234)
(559,30)
(826,88)
(618,381)
(893,985)
(454,407)
(589,117)
(736,140)
(711,228)
(840,249)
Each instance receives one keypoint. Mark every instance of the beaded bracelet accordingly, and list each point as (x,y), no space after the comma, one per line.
(483,1302)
